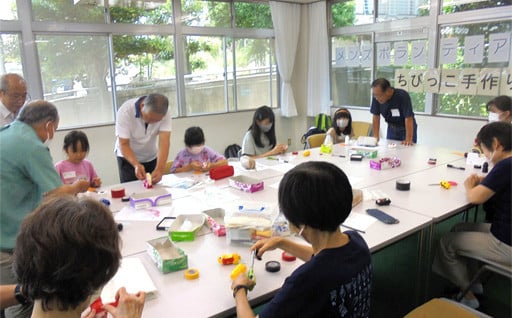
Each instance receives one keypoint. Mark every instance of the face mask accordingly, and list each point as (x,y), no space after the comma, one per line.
(195,150)
(48,140)
(265,128)
(494,117)
(342,123)
(490,159)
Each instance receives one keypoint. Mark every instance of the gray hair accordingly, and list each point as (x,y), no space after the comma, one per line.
(38,111)
(7,79)
(156,103)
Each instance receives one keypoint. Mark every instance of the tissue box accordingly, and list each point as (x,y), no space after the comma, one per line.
(246,184)
(249,222)
(185,227)
(367,152)
(148,199)
(167,256)
(385,163)
(215,220)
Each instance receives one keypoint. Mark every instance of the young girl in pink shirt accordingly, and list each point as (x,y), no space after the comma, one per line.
(76,146)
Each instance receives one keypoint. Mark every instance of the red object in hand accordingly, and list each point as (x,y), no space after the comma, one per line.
(97,305)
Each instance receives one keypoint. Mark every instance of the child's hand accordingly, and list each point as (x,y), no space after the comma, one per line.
(266,245)
(129,306)
(196,165)
(96,182)
(206,166)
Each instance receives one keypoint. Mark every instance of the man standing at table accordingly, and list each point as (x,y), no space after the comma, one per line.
(13,94)
(395,106)
(27,174)
(139,122)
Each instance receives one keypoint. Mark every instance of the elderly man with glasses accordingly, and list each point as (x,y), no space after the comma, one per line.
(13,95)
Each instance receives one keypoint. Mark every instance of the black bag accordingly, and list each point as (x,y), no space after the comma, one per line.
(311,131)
(232,151)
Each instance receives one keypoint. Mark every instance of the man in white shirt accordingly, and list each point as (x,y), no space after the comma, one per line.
(139,122)
(13,94)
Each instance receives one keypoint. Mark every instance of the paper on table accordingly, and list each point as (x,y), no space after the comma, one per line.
(131,275)
(358,221)
(262,174)
(283,167)
(155,213)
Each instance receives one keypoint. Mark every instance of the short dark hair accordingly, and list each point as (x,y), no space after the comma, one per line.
(382,83)
(194,136)
(66,249)
(499,130)
(74,137)
(156,103)
(261,113)
(316,194)
(503,103)
(38,111)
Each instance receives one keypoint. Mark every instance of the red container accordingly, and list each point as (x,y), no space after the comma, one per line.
(222,172)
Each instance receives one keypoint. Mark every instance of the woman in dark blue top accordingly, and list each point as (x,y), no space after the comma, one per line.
(488,240)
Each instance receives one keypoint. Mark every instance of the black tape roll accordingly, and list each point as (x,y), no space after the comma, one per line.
(403,185)
(272,266)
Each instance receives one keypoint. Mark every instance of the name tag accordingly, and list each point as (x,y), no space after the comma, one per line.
(69,174)
(395,112)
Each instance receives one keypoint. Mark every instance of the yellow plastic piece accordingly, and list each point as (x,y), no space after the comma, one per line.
(227,259)
(191,273)
(445,184)
(239,269)
(306,153)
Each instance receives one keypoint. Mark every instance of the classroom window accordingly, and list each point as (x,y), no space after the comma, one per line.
(212,82)
(8,10)
(10,54)
(145,64)
(252,15)
(256,74)
(353,12)
(475,66)
(206,13)
(402,9)
(72,11)
(79,89)
(452,6)
(140,12)
(352,58)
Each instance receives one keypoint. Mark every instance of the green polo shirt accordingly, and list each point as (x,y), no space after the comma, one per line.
(26,173)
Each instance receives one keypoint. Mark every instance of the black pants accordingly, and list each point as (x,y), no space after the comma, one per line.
(127,171)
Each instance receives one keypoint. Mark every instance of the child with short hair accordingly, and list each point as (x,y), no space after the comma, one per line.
(336,277)
(196,156)
(76,167)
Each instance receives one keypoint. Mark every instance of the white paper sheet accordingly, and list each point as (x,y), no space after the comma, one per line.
(156,213)
(131,275)
(359,222)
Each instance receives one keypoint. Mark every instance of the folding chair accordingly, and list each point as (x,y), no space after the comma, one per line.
(315,140)
(489,266)
(444,308)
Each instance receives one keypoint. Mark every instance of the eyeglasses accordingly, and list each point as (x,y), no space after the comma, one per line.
(25,97)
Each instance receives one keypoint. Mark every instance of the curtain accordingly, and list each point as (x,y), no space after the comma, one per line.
(286,20)
(318,100)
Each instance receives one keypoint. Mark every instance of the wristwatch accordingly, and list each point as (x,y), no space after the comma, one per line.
(19,296)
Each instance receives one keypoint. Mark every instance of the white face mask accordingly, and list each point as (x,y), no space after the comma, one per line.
(195,150)
(342,123)
(265,128)
(48,140)
(490,159)
(494,117)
